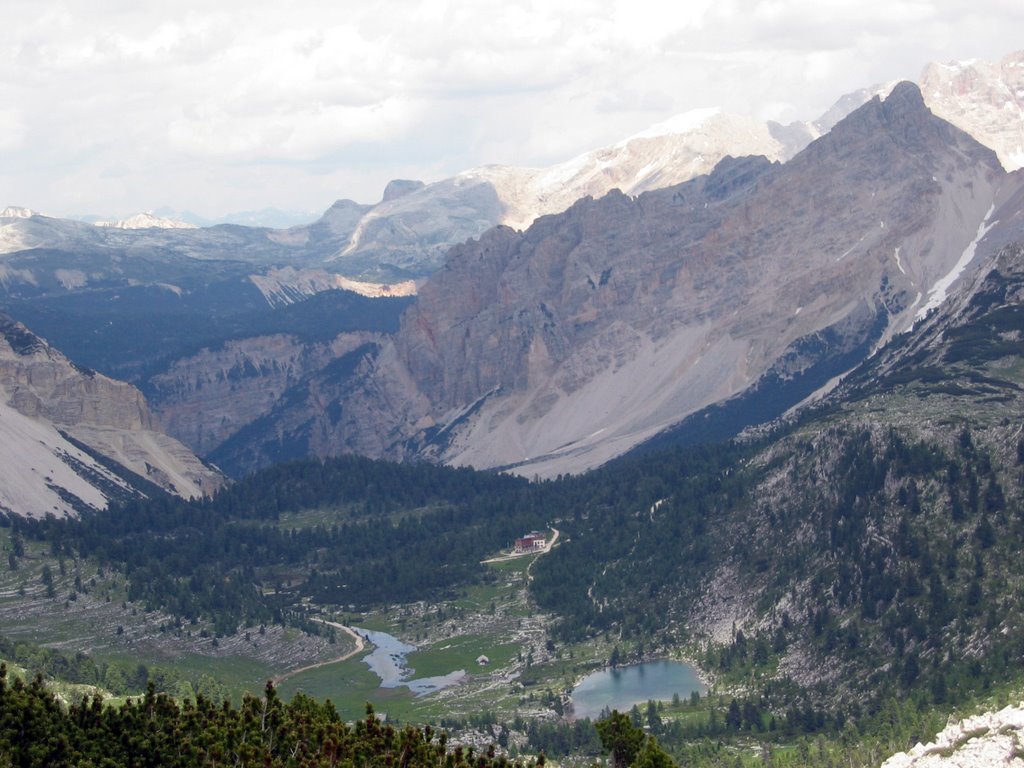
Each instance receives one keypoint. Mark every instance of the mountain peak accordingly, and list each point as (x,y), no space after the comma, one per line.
(17,212)
(905,96)
(686,122)
(400,188)
(905,112)
(902,119)
(145,221)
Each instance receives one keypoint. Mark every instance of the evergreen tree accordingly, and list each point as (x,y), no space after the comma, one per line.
(620,738)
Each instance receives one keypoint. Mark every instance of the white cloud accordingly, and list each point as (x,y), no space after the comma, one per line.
(114,106)
(12,129)
(295,131)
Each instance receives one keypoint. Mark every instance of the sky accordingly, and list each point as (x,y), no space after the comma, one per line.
(114,107)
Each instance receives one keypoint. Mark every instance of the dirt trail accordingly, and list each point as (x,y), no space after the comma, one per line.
(360,645)
(548,548)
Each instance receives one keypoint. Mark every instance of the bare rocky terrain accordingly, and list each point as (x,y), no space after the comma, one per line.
(555,349)
(61,423)
(987,740)
(204,399)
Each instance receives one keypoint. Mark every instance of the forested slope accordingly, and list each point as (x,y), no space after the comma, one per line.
(869,548)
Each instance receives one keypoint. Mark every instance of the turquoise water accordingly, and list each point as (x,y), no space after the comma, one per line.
(622,687)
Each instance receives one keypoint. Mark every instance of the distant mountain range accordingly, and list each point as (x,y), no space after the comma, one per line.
(272,218)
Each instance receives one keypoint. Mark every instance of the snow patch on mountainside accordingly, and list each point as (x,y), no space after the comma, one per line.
(937,293)
(983,741)
(675,150)
(288,285)
(687,122)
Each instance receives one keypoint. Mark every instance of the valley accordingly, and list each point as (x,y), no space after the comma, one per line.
(762,413)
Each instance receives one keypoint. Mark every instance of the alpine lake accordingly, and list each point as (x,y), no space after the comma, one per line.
(619,688)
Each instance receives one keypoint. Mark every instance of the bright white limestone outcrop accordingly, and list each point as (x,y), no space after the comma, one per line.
(146,221)
(17,212)
(287,285)
(989,740)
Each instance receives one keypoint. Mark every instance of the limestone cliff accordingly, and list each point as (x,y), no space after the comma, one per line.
(987,740)
(984,98)
(206,398)
(66,424)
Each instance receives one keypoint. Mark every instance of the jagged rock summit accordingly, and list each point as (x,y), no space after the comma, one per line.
(555,349)
(69,434)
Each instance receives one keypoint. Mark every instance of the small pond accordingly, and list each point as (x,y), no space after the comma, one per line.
(622,687)
(388,662)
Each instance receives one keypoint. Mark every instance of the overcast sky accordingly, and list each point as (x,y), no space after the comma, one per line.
(115,107)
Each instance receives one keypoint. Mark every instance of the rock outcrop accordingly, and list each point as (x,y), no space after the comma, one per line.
(989,740)
(204,399)
(69,425)
(985,99)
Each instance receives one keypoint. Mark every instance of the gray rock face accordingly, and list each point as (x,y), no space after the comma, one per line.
(47,402)
(987,740)
(204,399)
(558,348)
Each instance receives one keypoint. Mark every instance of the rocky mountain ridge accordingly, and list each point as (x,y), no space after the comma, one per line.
(407,230)
(555,349)
(414,229)
(65,428)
